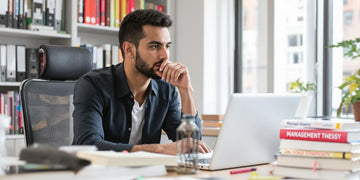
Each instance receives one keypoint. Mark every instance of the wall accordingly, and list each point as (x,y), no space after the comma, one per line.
(205,43)
(189,20)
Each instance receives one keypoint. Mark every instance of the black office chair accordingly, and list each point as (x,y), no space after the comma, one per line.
(47,102)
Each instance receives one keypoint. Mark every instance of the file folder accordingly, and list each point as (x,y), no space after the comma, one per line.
(20,61)
(11,63)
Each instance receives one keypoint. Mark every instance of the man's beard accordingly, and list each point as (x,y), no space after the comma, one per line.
(142,67)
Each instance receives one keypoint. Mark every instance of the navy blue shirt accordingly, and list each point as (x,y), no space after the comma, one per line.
(103,103)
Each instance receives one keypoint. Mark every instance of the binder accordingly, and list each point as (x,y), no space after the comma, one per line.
(11,63)
(81,11)
(115,54)
(87,13)
(3,13)
(16,14)
(58,10)
(2,62)
(37,12)
(93,12)
(22,17)
(32,63)
(99,58)
(93,51)
(50,13)
(10,13)
(20,63)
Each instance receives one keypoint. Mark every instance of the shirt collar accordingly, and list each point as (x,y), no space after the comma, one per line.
(122,84)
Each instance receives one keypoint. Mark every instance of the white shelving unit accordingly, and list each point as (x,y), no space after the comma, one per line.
(76,34)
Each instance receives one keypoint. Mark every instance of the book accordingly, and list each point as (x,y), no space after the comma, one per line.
(322,154)
(207,123)
(321,124)
(320,146)
(99,172)
(318,174)
(321,135)
(319,163)
(140,158)
(212,117)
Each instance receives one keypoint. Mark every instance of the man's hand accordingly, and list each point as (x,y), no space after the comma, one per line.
(174,73)
(171,148)
(167,148)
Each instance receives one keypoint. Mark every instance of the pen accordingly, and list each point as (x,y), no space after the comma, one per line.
(242,170)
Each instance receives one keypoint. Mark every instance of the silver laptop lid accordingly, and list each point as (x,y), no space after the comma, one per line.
(250,132)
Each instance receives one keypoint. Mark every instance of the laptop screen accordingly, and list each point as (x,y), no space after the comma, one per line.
(250,132)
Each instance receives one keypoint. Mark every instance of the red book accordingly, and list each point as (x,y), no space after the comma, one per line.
(93,7)
(102,12)
(160,8)
(130,6)
(87,11)
(321,135)
(97,9)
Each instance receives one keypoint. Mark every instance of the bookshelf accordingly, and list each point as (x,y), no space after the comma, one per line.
(75,34)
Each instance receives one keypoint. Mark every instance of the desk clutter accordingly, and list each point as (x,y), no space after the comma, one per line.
(319,149)
(86,162)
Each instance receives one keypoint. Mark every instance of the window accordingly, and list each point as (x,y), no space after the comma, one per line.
(344,66)
(272,59)
(348,17)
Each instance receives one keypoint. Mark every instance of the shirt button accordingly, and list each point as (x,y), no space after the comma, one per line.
(129,129)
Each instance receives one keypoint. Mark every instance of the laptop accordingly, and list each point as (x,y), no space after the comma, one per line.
(249,134)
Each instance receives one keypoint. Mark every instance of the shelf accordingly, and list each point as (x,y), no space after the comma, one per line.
(97,29)
(32,34)
(10,84)
(14,136)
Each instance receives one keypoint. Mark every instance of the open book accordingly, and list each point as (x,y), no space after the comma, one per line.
(140,158)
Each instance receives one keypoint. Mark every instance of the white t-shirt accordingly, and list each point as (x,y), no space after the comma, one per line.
(137,116)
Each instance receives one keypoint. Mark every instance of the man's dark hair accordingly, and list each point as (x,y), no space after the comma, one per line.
(131,28)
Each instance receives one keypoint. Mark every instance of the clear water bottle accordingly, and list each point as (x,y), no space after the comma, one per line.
(187,145)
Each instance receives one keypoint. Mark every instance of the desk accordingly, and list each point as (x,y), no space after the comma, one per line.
(263,170)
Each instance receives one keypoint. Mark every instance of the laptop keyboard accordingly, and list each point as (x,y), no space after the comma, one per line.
(204,161)
(204,158)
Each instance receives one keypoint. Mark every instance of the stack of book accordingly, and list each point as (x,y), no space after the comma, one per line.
(319,149)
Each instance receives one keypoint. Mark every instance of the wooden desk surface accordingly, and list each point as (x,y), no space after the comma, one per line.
(262,170)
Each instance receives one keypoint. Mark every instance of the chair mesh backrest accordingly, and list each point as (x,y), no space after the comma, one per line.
(47,110)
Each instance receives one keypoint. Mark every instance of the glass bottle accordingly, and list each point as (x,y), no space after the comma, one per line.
(187,145)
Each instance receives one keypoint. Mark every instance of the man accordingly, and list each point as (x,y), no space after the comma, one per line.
(125,107)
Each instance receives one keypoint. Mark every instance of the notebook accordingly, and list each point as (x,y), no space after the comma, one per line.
(249,134)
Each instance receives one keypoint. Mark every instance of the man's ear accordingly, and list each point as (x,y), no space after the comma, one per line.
(129,49)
